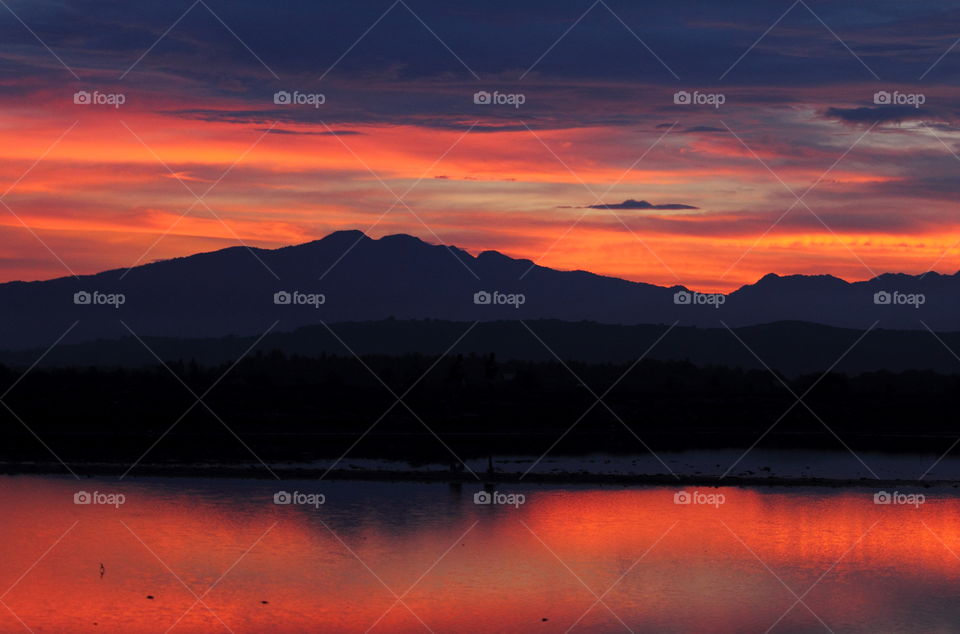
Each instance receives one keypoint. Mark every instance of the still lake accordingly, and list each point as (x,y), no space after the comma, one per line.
(221,555)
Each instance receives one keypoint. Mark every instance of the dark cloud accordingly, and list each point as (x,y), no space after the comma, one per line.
(879,114)
(409,41)
(404,74)
(694,128)
(310,132)
(641,204)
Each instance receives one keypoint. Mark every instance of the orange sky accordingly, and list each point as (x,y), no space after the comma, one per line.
(92,186)
(113,188)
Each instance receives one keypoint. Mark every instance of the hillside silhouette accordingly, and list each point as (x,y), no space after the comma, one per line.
(233,291)
(791,348)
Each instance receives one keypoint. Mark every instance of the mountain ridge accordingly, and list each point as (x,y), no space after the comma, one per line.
(361,236)
(232,291)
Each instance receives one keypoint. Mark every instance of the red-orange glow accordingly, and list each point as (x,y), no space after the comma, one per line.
(110,187)
(705,567)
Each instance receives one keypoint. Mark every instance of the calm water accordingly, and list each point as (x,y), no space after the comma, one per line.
(733,564)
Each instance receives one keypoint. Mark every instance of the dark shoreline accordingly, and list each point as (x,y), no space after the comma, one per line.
(258,472)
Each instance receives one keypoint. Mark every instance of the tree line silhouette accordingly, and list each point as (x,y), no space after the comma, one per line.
(290,407)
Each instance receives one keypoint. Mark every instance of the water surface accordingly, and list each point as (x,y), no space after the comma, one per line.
(415,557)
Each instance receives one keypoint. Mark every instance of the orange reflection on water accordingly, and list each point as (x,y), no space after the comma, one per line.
(458,567)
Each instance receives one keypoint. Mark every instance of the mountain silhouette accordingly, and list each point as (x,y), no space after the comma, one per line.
(348,276)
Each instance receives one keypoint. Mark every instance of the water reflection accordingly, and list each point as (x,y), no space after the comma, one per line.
(219,554)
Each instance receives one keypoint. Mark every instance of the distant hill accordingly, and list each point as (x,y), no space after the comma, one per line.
(792,348)
(230,292)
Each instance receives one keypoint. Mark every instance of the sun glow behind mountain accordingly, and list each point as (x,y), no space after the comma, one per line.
(800,170)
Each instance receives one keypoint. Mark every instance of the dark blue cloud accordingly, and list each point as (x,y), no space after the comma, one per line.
(878,114)
(641,204)
(404,71)
(498,40)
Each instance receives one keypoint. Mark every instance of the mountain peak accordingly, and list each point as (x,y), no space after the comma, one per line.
(345,234)
(402,238)
(797,278)
(359,278)
(346,237)
(493,255)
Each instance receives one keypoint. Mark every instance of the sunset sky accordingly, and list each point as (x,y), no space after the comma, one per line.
(87,187)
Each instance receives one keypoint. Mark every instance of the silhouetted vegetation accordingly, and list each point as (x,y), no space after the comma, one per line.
(791,347)
(297,408)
